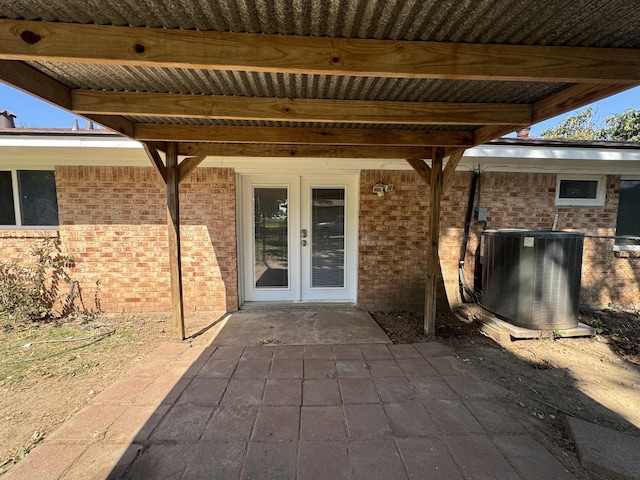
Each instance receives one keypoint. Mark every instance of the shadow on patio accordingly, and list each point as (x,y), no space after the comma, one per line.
(215,409)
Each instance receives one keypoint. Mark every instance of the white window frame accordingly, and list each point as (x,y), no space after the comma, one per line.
(17,206)
(598,201)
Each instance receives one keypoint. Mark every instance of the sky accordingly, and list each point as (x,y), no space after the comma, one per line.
(31,112)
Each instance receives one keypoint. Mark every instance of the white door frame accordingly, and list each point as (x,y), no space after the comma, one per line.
(299,257)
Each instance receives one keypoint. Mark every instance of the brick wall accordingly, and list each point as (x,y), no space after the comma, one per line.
(16,245)
(393,232)
(113,221)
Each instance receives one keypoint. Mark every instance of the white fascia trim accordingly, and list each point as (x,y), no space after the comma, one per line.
(40,141)
(553,153)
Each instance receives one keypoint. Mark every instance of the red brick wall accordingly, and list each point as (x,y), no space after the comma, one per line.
(113,221)
(16,245)
(393,232)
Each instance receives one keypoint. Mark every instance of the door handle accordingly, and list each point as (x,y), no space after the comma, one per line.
(303,243)
(303,233)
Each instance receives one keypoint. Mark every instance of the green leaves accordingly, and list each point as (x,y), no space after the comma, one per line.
(584,125)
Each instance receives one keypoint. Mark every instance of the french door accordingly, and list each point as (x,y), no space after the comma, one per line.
(299,238)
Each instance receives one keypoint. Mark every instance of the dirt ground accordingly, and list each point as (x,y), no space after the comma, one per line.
(596,379)
(37,396)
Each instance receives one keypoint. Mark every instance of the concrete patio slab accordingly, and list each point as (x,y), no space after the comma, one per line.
(297,325)
(295,412)
(615,455)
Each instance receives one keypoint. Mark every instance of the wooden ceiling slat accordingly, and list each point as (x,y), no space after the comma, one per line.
(44,41)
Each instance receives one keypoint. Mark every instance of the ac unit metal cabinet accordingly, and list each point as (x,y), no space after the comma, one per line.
(532,278)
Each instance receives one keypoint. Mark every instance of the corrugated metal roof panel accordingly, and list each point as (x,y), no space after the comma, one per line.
(602,23)
(254,84)
(265,123)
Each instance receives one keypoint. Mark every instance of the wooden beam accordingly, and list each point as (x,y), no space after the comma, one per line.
(298,109)
(301,135)
(31,81)
(574,97)
(175,48)
(488,133)
(188,165)
(113,122)
(450,169)
(173,224)
(421,169)
(433,256)
(564,101)
(298,151)
(154,156)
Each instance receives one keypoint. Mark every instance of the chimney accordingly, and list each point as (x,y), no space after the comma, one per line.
(6,119)
(74,124)
(523,132)
(89,125)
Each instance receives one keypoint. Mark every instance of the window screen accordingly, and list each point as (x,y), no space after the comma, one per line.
(628,218)
(7,209)
(38,202)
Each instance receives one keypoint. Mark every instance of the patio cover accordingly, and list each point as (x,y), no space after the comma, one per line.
(419,80)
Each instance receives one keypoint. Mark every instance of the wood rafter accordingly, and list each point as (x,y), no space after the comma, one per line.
(31,81)
(300,135)
(300,151)
(562,102)
(44,41)
(299,110)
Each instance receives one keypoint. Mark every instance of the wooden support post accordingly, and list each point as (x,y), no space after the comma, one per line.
(434,240)
(173,225)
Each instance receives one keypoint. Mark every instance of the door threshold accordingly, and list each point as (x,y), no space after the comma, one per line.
(251,306)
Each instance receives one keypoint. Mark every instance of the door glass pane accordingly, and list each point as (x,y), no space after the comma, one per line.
(7,211)
(38,197)
(327,225)
(628,219)
(271,247)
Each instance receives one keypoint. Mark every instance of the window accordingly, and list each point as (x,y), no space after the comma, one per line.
(581,190)
(28,198)
(628,224)
(7,209)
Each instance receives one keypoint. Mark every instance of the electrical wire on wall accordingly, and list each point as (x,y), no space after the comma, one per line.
(467,294)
